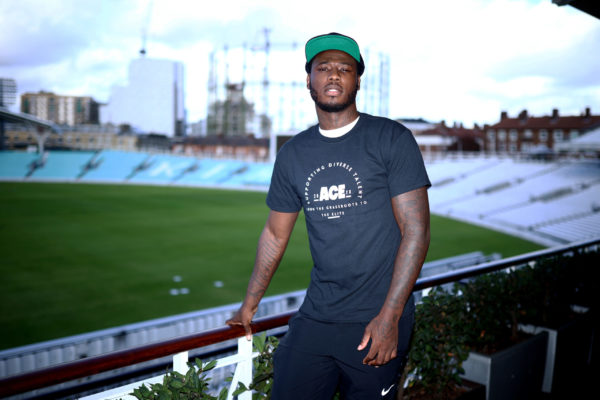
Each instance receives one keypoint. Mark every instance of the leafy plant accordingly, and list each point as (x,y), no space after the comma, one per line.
(176,386)
(438,346)
(493,304)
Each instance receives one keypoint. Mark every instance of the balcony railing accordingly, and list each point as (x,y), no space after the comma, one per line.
(179,347)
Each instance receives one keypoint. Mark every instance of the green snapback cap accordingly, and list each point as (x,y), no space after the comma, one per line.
(333,41)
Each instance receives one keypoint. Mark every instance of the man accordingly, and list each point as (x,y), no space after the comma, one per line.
(363,186)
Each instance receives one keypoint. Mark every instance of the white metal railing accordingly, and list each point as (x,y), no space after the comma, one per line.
(243,360)
(243,374)
(54,352)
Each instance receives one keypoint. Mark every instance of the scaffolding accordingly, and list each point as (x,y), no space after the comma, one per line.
(273,83)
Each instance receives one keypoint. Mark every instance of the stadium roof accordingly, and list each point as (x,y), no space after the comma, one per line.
(587,6)
(11,116)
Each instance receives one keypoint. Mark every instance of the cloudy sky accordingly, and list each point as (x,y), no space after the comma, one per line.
(456,60)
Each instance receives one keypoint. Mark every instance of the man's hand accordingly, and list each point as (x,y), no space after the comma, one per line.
(243,317)
(383,333)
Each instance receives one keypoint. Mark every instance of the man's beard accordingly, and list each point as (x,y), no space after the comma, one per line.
(333,107)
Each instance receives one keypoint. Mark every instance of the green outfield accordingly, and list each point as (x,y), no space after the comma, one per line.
(79,257)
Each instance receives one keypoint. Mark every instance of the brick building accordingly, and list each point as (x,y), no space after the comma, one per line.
(450,138)
(529,134)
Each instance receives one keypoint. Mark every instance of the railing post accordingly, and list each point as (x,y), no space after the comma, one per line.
(180,361)
(245,350)
(243,370)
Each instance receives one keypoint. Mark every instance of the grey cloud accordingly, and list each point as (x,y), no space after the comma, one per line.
(31,37)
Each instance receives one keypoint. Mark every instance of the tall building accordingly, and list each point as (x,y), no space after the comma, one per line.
(64,110)
(152,100)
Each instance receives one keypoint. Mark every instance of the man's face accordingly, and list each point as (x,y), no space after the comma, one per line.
(333,80)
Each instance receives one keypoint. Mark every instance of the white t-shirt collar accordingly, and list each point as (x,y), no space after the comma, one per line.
(338,132)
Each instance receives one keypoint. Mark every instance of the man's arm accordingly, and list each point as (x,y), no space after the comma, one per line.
(411,211)
(271,246)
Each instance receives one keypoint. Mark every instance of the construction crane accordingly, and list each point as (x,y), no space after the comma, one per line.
(145,25)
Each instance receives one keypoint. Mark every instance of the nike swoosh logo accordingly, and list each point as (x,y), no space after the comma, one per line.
(386,391)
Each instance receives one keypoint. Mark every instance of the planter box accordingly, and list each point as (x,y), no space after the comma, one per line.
(567,354)
(476,391)
(513,373)
(472,391)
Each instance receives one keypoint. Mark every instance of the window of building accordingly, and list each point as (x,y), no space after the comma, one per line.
(573,134)
(502,134)
(558,135)
(528,134)
(543,135)
(513,147)
(513,135)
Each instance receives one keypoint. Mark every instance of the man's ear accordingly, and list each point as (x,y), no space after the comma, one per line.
(308,81)
(358,83)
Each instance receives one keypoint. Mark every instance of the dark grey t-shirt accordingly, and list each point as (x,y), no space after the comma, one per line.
(345,186)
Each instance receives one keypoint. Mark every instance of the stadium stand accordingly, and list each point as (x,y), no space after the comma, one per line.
(63,165)
(163,169)
(548,202)
(113,166)
(255,175)
(534,182)
(15,164)
(572,204)
(488,180)
(519,196)
(213,172)
(574,229)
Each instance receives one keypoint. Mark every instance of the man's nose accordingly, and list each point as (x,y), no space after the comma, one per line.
(334,74)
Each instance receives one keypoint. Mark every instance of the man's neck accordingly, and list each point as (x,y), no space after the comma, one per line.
(334,120)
